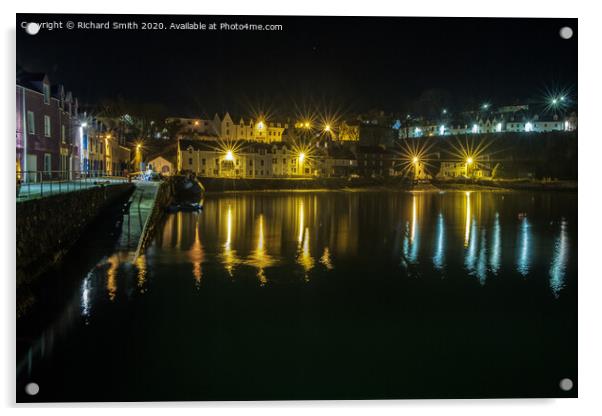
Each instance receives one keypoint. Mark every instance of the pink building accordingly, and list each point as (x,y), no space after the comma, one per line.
(45,139)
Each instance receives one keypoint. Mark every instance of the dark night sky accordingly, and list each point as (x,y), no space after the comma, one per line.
(342,63)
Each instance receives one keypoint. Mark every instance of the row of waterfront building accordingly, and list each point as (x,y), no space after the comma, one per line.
(249,160)
(55,139)
(227,146)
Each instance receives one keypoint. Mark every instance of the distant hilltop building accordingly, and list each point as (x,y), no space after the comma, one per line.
(226,128)
(374,128)
(515,118)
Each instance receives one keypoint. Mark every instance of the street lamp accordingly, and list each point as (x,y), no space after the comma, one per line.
(301,157)
(469,161)
(485,106)
(327,128)
(229,156)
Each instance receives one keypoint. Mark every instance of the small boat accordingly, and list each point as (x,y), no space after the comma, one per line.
(188,188)
(185,207)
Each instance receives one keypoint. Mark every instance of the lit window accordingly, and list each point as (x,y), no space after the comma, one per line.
(47,126)
(46,94)
(31,124)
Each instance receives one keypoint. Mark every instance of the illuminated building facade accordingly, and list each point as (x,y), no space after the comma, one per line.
(348,132)
(229,128)
(44,128)
(161,165)
(242,159)
(517,119)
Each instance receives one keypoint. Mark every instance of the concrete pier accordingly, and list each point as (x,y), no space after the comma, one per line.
(145,207)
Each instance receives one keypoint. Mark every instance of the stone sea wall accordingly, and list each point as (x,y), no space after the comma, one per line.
(48,227)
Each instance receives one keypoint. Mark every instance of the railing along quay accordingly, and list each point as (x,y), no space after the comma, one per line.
(40,184)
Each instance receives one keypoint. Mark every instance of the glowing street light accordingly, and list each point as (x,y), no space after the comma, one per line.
(485,106)
(415,160)
(327,128)
(444,111)
(229,156)
(260,125)
(307,125)
(469,161)
(301,157)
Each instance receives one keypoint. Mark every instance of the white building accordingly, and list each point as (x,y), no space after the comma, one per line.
(245,159)
(227,128)
(161,165)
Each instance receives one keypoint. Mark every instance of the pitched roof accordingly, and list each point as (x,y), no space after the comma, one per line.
(32,81)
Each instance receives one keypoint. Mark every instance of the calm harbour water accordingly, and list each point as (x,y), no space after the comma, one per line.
(319,295)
